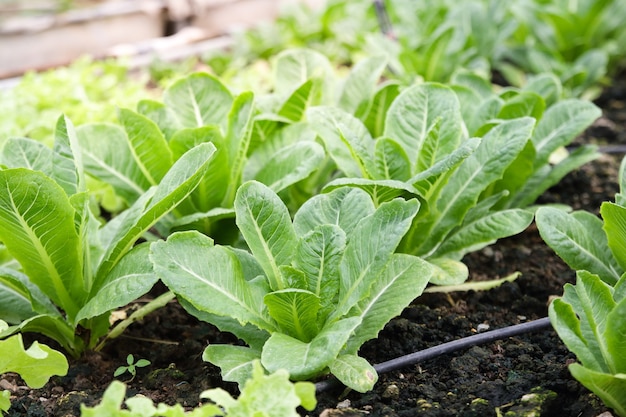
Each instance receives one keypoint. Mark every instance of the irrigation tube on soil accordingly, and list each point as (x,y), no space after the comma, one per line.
(449,347)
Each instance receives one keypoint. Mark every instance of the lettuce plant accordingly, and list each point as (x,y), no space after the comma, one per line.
(309,293)
(262,395)
(590,318)
(260,137)
(340,29)
(196,109)
(436,40)
(473,190)
(580,42)
(71,270)
(544,161)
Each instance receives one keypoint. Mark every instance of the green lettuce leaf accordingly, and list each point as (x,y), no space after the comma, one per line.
(36,365)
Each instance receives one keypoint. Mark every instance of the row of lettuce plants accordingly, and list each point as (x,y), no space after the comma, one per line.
(580,42)
(298,219)
(301,221)
(85,91)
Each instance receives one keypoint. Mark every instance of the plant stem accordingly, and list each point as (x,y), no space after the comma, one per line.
(155,304)
(449,347)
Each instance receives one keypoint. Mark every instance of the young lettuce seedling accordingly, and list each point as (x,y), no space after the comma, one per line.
(71,270)
(309,293)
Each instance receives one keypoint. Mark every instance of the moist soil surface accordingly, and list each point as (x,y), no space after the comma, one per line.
(513,376)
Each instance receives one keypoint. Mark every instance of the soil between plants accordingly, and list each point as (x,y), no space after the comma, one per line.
(507,377)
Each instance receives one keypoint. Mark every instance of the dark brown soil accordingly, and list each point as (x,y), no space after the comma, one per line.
(507,377)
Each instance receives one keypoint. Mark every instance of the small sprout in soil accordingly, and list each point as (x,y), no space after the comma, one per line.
(132,366)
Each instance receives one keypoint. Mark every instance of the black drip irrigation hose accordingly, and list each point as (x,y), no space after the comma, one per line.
(610,149)
(383,19)
(445,348)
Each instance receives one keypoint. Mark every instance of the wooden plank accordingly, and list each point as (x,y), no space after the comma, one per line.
(46,42)
(219,17)
(42,42)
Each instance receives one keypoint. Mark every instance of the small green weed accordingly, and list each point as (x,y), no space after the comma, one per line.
(132,366)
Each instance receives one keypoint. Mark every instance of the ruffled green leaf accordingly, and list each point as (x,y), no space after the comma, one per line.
(36,365)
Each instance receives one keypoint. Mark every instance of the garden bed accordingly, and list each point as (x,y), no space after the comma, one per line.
(510,375)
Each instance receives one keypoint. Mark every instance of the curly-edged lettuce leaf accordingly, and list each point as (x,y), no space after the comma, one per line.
(36,365)
(113,398)
(267,395)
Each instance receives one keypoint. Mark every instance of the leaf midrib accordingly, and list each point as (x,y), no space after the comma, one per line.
(232,297)
(118,174)
(54,275)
